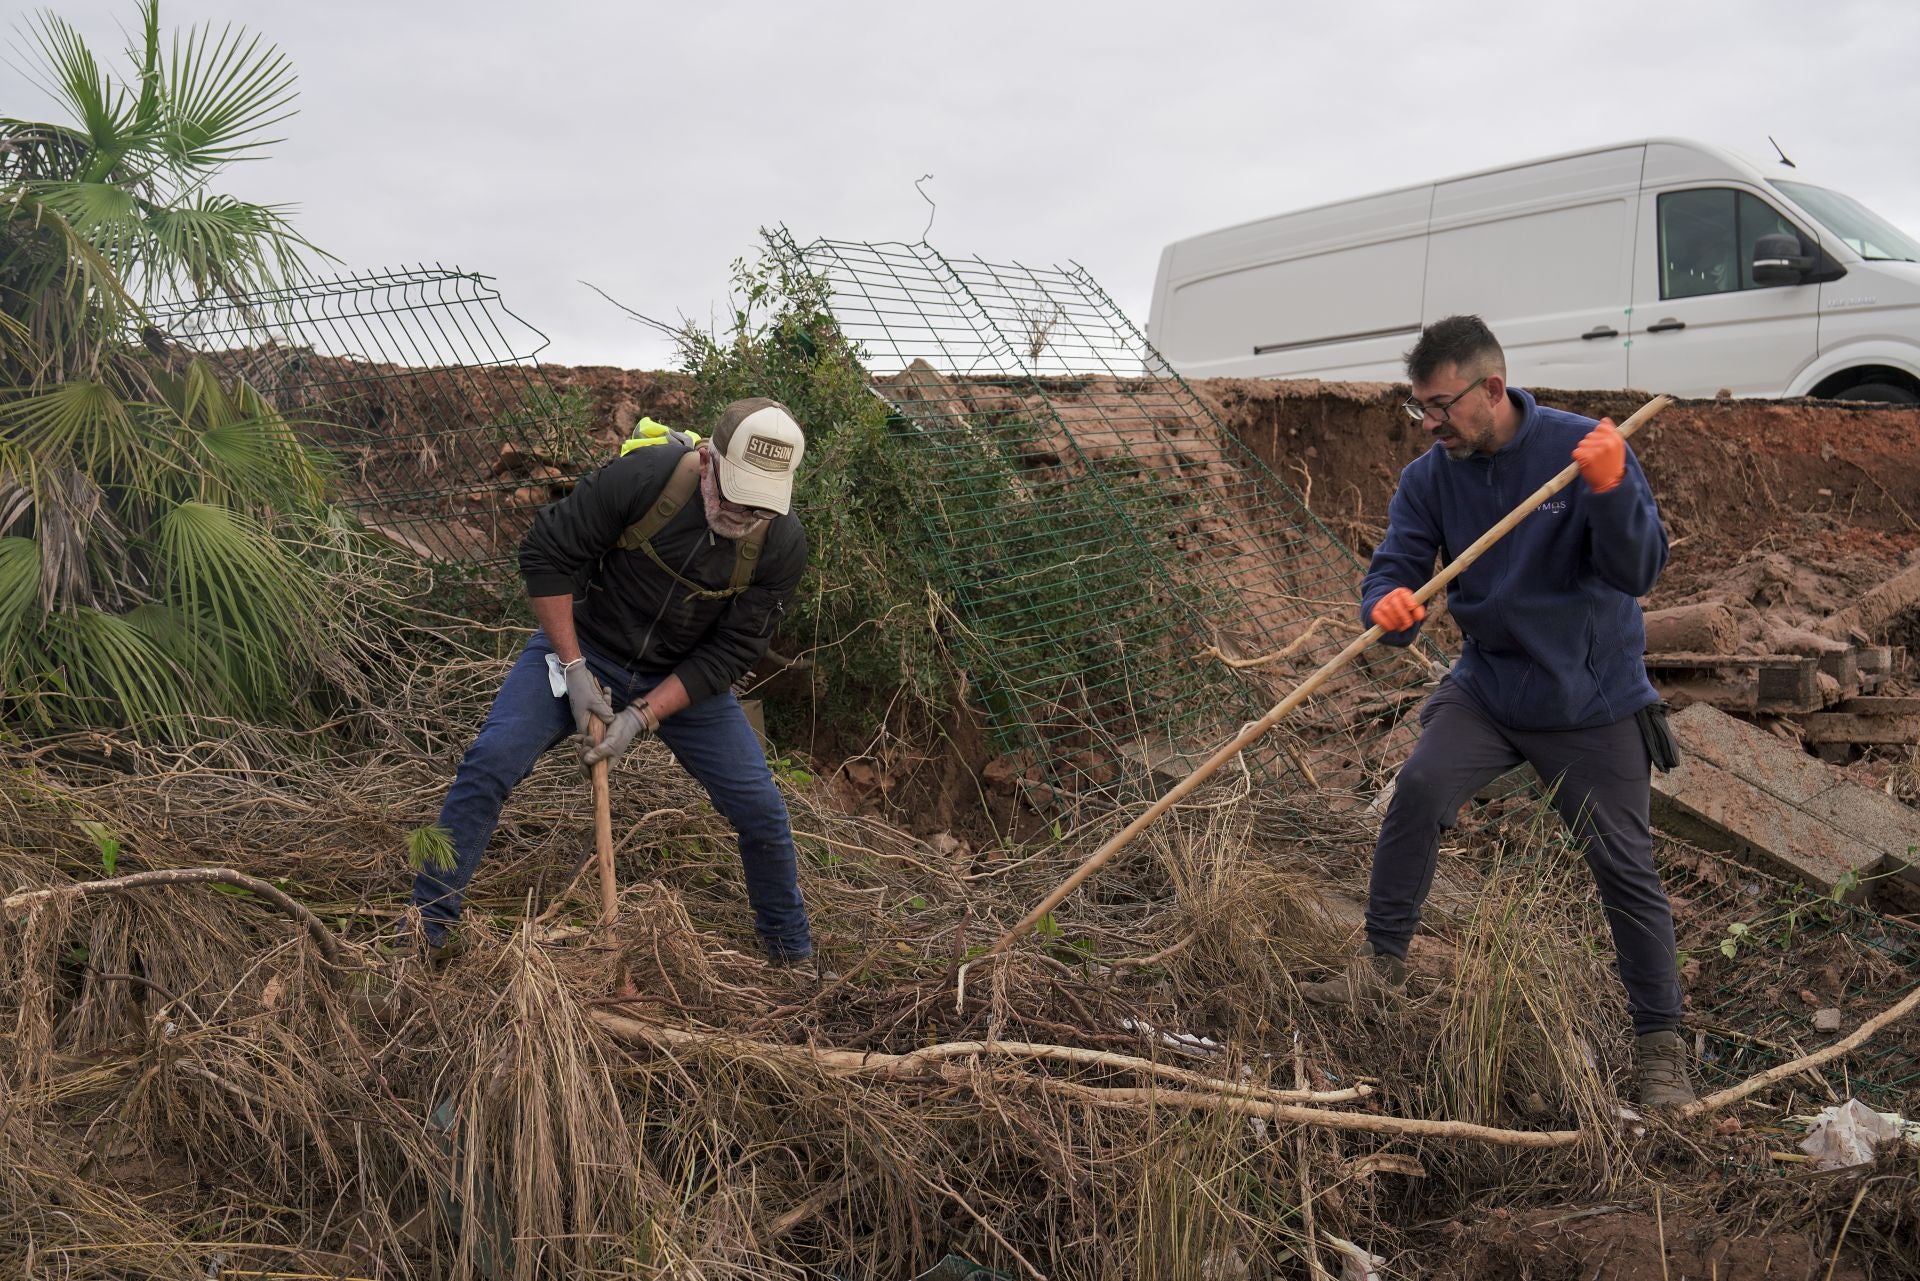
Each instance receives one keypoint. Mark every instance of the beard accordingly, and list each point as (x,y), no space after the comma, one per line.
(722,517)
(1467,443)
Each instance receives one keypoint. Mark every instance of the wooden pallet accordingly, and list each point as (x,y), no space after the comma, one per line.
(1784,684)
(1835,722)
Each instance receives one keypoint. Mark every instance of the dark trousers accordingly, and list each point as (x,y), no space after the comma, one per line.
(712,741)
(1601,789)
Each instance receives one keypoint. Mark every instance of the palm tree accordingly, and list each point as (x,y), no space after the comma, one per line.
(165,543)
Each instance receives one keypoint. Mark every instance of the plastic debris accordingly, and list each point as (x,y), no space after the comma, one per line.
(1847,1135)
(1356,1264)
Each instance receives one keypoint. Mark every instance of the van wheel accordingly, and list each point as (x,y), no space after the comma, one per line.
(1880,393)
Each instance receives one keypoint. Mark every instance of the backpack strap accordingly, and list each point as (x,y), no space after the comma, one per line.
(680,489)
(746,557)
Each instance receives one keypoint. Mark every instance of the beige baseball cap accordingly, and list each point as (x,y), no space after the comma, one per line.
(758,447)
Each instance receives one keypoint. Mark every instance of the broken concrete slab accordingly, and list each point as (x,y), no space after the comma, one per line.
(1742,790)
(1771,764)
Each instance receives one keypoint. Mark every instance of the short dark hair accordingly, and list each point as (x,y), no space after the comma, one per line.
(1464,342)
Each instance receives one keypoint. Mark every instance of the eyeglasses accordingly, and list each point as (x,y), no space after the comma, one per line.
(1440,409)
(749,513)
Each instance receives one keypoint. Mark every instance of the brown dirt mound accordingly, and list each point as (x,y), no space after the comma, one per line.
(1733,477)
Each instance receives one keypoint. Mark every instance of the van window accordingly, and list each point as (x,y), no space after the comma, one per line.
(1863,231)
(1707,237)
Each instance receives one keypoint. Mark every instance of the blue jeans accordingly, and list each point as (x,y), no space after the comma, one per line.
(712,741)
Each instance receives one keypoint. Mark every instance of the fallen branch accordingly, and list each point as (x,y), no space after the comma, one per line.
(1325,1118)
(1209,1095)
(927,1061)
(1267,660)
(322,936)
(1846,1044)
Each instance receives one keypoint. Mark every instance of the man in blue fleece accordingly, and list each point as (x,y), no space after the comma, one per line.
(1551,671)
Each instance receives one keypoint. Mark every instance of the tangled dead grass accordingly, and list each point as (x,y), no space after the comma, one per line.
(189,1087)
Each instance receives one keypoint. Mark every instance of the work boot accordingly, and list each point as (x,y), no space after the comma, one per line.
(1372,977)
(1660,1063)
(807,966)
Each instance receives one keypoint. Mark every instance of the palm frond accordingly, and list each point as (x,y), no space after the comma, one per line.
(109,217)
(256,462)
(239,590)
(220,90)
(78,83)
(71,298)
(149,106)
(35,149)
(212,242)
(115,668)
(78,421)
(19,589)
(26,671)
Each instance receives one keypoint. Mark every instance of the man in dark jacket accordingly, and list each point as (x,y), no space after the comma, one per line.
(646,631)
(1551,672)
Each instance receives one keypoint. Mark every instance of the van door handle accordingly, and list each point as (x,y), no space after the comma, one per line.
(1666,325)
(1604,331)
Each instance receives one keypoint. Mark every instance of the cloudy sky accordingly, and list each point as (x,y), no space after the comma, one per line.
(639,145)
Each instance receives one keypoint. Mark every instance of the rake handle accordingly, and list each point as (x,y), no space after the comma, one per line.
(1305,688)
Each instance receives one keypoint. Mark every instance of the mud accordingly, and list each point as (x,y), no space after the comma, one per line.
(1832,488)
(1618,1243)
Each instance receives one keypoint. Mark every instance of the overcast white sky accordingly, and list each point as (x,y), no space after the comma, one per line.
(639,145)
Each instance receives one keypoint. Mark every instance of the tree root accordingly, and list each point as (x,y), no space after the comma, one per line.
(1203,1093)
(1853,1041)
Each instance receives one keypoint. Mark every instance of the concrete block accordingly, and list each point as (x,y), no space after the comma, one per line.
(1772,764)
(1712,807)
(1761,798)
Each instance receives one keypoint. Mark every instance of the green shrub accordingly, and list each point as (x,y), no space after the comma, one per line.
(861,613)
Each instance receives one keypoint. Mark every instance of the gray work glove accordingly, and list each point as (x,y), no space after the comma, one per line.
(584,695)
(635,721)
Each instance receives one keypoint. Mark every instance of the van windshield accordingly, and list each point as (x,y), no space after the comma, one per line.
(1863,231)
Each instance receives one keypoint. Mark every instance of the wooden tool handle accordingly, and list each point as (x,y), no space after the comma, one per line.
(603,829)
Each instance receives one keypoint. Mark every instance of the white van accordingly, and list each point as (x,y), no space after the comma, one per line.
(1663,264)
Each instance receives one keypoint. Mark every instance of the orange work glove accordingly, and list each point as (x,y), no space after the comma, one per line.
(1602,456)
(1398,610)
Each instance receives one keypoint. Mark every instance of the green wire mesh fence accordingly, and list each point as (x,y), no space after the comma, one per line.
(1753,1000)
(1111,555)
(423,387)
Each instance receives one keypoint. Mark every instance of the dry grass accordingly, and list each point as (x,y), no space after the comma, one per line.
(185,1081)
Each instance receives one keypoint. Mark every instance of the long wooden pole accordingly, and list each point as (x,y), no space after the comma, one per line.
(1301,692)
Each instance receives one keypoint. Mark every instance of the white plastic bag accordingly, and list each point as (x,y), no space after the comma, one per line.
(1847,1135)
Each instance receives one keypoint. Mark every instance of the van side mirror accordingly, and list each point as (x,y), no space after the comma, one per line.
(1780,259)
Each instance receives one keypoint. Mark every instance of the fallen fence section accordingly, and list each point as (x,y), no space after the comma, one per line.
(1115,561)
(423,387)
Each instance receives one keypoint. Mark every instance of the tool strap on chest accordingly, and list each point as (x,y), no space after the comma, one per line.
(683,487)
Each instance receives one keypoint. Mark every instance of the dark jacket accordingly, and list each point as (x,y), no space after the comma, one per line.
(1554,634)
(626,609)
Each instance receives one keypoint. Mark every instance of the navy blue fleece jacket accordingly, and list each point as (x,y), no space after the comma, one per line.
(1554,637)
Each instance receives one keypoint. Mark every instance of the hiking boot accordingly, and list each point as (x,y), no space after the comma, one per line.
(807,966)
(1372,977)
(1660,1064)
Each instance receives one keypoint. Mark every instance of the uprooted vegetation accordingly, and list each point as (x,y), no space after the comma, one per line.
(234,1075)
(190,1083)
